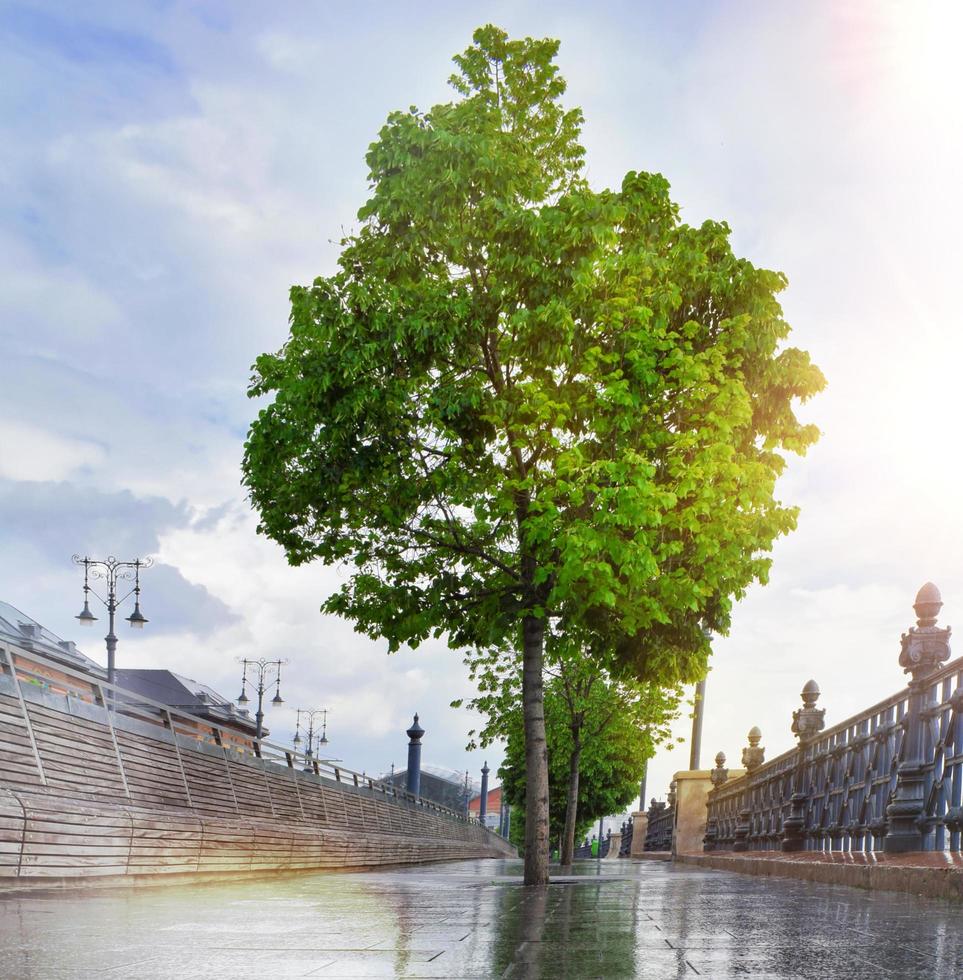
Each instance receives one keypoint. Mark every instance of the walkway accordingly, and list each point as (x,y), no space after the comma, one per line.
(472,919)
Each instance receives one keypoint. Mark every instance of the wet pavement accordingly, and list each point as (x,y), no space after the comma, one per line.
(473,919)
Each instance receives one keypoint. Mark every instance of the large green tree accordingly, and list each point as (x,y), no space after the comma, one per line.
(519,400)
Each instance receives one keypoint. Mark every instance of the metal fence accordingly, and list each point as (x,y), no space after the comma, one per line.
(658,834)
(888,779)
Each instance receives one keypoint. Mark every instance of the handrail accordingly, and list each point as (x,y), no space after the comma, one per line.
(769,768)
(658,834)
(124,701)
(887,778)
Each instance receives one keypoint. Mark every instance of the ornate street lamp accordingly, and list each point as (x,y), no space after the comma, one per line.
(262,671)
(322,736)
(112,571)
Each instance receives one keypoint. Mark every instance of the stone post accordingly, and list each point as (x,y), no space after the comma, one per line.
(717,777)
(483,801)
(754,754)
(691,789)
(807,723)
(640,827)
(615,844)
(413,782)
(720,774)
(753,757)
(924,648)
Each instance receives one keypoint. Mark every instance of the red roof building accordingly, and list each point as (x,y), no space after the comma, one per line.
(494,806)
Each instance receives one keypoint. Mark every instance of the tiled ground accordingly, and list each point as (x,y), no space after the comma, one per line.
(473,919)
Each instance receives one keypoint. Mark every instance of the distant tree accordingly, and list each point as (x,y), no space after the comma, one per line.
(520,401)
(600,733)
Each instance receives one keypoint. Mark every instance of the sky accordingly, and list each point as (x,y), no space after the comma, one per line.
(169,169)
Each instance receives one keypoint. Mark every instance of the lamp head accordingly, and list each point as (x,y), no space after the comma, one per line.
(242,697)
(277,699)
(86,617)
(137,618)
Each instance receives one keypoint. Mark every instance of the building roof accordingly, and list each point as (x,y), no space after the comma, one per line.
(19,628)
(494,800)
(187,694)
(158,685)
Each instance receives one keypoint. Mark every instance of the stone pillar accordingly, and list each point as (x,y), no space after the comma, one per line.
(717,777)
(691,789)
(413,783)
(483,801)
(924,648)
(615,844)
(754,755)
(640,827)
(807,723)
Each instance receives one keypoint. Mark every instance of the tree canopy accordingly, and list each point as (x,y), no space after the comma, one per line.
(520,400)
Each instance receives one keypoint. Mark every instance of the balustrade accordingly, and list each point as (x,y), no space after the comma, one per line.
(658,834)
(889,778)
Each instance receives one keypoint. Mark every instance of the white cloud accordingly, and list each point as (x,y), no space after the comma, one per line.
(28,452)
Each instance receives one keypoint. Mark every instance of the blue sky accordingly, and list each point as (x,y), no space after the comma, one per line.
(170,169)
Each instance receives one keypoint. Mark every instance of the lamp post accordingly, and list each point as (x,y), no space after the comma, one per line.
(483,801)
(413,776)
(698,712)
(322,737)
(262,670)
(112,571)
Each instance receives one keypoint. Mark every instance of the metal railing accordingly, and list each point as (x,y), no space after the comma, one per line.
(658,834)
(28,669)
(628,831)
(887,779)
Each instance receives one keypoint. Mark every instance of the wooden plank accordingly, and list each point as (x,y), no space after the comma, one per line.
(23,708)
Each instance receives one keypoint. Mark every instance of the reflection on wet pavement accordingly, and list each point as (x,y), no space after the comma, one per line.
(474,919)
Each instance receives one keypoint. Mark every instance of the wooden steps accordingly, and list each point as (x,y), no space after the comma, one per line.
(91,795)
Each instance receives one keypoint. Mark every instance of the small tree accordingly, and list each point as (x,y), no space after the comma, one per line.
(600,735)
(594,724)
(521,401)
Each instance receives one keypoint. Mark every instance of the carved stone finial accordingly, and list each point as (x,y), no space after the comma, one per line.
(720,774)
(753,756)
(925,646)
(807,721)
(670,796)
(928,604)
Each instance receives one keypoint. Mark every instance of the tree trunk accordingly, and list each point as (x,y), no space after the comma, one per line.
(571,806)
(536,753)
